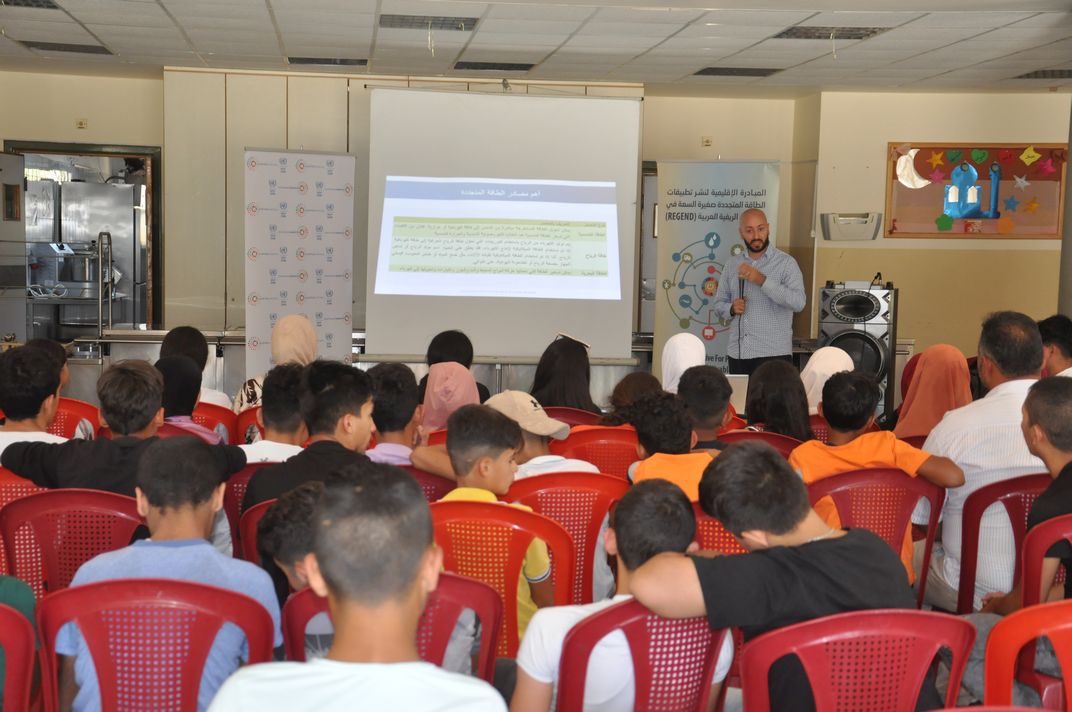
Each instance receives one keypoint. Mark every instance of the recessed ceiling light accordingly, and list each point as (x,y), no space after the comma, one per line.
(428,22)
(736,72)
(1047,74)
(493,66)
(38,4)
(64,47)
(329,61)
(801,32)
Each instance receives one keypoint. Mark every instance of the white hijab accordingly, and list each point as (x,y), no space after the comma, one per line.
(823,364)
(681,352)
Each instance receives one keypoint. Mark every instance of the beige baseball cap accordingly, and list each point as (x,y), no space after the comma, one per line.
(527,412)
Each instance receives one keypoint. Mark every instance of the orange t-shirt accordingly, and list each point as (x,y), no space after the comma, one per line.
(815,460)
(684,471)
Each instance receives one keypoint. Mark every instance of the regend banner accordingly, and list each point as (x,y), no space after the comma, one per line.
(299,250)
(697,216)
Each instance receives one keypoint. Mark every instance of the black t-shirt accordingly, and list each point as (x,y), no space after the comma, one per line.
(313,464)
(774,588)
(1056,501)
(710,445)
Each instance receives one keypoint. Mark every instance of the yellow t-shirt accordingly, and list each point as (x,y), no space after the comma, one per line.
(685,471)
(537,565)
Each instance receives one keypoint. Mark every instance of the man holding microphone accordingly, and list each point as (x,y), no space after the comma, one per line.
(759,291)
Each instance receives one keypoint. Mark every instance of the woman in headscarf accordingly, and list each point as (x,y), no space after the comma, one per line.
(680,353)
(823,364)
(450,386)
(940,383)
(293,341)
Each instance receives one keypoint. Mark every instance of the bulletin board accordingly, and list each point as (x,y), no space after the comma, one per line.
(975,190)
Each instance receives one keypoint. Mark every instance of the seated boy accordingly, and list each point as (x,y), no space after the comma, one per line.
(179,491)
(537,429)
(280,416)
(182,384)
(653,517)
(482,443)
(751,489)
(29,395)
(190,342)
(376,561)
(706,392)
(665,441)
(85,430)
(848,404)
(397,412)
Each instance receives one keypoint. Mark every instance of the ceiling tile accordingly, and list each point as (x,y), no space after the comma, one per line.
(599,42)
(539,11)
(532,27)
(756,32)
(1047,19)
(34,14)
(656,15)
(497,39)
(970,19)
(419,7)
(860,19)
(629,29)
(118,13)
(757,18)
(34,31)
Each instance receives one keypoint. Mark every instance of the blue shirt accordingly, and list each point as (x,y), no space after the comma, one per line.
(766,327)
(188,560)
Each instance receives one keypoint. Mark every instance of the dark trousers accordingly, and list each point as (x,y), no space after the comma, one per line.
(747,366)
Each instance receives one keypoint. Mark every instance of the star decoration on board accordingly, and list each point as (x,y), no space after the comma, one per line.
(937,176)
(1030,155)
(1011,203)
(936,159)
(1046,167)
(1021,182)
(1032,206)
(944,223)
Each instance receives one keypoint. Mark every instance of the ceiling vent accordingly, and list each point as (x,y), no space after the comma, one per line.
(37,4)
(428,22)
(65,47)
(736,72)
(802,32)
(329,61)
(1047,74)
(492,66)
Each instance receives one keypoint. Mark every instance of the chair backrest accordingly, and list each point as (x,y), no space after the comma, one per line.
(572,416)
(673,660)
(246,419)
(820,428)
(433,486)
(11,488)
(782,443)
(844,654)
(148,638)
(579,501)
(445,605)
(215,417)
(1012,633)
(233,495)
(17,642)
(48,535)
(712,536)
(736,422)
(1016,495)
(70,413)
(612,450)
(488,541)
(247,530)
(298,610)
(915,440)
(882,499)
(438,437)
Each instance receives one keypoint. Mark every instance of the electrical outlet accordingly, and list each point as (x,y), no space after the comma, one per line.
(706,141)
(81,124)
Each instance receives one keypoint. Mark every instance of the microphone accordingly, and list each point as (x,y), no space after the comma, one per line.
(740,287)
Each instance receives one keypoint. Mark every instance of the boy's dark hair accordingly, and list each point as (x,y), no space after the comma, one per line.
(180,471)
(706,392)
(625,395)
(331,390)
(186,341)
(1049,406)
(285,532)
(447,346)
(1056,331)
(281,398)
(662,424)
(777,399)
(652,517)
(26,380)
(182,384)
(476,431)
(370,534)
(130,393)
(54,349)
(394,396)
(1012,341)
(849,399)
(749,486)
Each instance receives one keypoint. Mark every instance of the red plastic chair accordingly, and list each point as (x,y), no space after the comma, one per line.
(612,450)
(434,486)
(48,535)
(17,642)
(820,428)
(211,416)
(881,500)
(247,419)
(232,500)
(149,638)
(712,536)
(70,413)
(167,430)
(298,610)
(11,488)
(673,660)
(915,441)
(438,437)
(488,541)
(864,660)
(572,416)
(247,530)
(1016,495)
(735,423)
(1019,629)
(782,443)
(580,502)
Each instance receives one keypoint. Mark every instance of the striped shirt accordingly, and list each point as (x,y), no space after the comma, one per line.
(766,327)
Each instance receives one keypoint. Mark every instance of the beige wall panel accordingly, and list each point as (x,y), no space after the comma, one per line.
(316,114)
(256,118)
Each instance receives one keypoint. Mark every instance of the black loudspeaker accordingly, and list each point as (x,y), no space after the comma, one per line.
(862,320)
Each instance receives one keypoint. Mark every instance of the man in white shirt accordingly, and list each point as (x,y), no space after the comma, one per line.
(29,396)
(653,517)
(984,439)
(376,561)
(538,428)
(280,416)
(1056,334)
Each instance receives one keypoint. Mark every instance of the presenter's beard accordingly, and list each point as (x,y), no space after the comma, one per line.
(757,246)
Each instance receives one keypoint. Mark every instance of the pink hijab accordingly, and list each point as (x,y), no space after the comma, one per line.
(940,383)
(450,386)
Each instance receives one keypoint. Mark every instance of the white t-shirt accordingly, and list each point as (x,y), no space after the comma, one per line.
(269,451)
(609,683)
(7,438)
(330,685)
(546,464)
(214,397)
